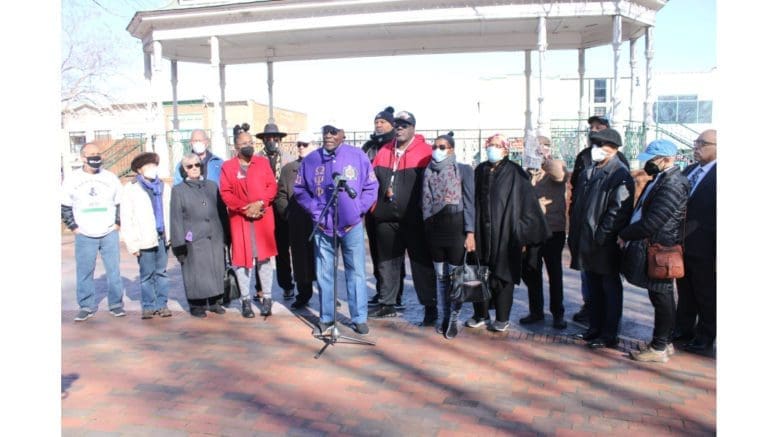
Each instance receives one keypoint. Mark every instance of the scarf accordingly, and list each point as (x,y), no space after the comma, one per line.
(442,186)
(154,190)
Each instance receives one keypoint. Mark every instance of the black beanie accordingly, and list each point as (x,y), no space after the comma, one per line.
(449,138)
(386,114)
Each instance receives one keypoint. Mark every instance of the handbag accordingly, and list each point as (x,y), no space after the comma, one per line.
(634,263)
(665,262)
(469,283)
(231,291)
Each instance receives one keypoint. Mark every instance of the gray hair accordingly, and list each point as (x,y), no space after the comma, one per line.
(190,158)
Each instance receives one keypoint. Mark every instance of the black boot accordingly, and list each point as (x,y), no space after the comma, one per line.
(266,308)
(453,325)
(430,315)
(248,313)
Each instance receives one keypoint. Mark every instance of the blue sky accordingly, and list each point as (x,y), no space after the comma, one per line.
(685,40)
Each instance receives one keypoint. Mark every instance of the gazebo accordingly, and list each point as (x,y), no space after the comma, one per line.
(223,33)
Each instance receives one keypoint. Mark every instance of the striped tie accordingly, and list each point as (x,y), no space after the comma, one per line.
(695,178)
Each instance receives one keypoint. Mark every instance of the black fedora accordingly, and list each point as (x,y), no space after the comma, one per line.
(270,129)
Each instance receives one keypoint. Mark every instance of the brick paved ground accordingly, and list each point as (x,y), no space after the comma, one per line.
(226,375)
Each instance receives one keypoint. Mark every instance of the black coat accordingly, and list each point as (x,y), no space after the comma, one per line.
(663,210)
(700,227)
(377,141)
(507,218)
(299,224)
(583,161)
(197,212)
(600,209)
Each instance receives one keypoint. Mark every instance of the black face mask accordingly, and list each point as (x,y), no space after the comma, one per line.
(651,168)
(247,151)
(384,137)
(94,161)
(271,147)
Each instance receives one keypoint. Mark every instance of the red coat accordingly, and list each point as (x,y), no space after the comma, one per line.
(238,191)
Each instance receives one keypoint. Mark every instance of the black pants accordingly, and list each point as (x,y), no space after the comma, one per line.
(283,260)
(202,303)
(661,293)
(606,303)
(696,297)
(394,239)
(502,298)
(369,226)
(531,273)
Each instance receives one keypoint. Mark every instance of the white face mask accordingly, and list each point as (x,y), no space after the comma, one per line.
(494,154)
(199,147)
(439,155)
(150,173)
(598,154)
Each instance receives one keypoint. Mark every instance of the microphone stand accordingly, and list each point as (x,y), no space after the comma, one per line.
(331,335)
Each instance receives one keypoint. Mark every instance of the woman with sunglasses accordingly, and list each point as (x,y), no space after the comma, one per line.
(448,206)
(197,225)
(507,218)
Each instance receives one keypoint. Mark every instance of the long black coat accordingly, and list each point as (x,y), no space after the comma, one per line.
(700,228)
(507,217)
(300,225)
(197,212)
(599,210)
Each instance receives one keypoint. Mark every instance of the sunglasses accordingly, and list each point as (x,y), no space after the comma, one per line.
(330,131)
(401,125)
(190,166)
(302,144)
(440,147)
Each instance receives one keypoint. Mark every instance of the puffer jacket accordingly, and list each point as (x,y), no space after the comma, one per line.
(601,208)
(663,211)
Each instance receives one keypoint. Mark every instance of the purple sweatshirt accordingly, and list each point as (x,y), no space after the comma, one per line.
(314,186)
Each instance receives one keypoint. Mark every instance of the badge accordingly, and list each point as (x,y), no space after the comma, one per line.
(349,172)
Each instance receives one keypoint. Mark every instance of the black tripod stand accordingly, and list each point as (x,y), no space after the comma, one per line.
(331,335)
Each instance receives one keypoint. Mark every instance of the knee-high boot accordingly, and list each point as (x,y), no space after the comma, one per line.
(452,329)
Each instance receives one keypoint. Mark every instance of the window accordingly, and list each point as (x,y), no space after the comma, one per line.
(102,135)
(600,111)
(77,140)
(600,91)
(683,109)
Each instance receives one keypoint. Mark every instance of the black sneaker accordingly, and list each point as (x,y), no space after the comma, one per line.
(83,315)
(217,308)
(265,309)
(559,323)
(118,312)
(531,318)
(247,312)
(430,316)
(299,304)
(198,312)
(288,294)
(375,301)
(382,311)
(361,328)
(581,316)
(399,305)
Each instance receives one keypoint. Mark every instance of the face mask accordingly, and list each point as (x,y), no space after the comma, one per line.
(439,155)
(94,161)
(150,173)
(198,147)
(651,168)
(271,146)
(598,154)
(494,154)
(247,151)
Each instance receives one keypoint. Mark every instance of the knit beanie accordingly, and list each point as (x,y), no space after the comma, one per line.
(386,114)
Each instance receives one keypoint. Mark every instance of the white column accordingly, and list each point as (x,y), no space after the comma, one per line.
(649,98)
(177,146)
(633,64)
(542,45)
(160,143)
(527,73)
(217,144)
(148,74)
(581,114)
(616,54)
(223,103)
(271,117)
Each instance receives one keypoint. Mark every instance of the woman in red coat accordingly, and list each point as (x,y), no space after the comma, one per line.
(248,188)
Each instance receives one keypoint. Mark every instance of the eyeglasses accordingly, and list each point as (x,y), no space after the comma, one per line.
(330,131)
(441,147)
(401,125)
(302,144)
(190,166)
(701,143)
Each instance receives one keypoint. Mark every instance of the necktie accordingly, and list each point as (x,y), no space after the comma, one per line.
(695,178)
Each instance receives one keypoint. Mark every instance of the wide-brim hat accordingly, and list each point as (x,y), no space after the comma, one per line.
(142,159)
(270,129)
(609,136)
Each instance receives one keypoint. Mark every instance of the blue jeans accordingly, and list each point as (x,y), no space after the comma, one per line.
(154,282)
(86,259)
(352,248)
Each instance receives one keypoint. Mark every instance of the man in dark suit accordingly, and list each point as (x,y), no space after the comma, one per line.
(697,290)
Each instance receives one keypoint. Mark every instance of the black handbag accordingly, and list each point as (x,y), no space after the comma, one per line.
(231,291)
(469,283)
(634,263)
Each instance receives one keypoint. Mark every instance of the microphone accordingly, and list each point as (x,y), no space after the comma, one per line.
(339,181)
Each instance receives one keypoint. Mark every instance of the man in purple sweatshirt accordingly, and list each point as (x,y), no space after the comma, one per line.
(349,168)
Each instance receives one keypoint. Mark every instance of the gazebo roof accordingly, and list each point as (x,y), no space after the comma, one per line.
(288,30)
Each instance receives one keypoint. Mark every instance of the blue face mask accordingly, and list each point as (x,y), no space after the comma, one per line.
(494,154)
(439,155)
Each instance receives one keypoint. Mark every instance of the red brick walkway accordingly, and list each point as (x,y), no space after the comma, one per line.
(226,375)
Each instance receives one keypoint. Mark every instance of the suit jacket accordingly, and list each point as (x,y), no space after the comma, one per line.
(700,226)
